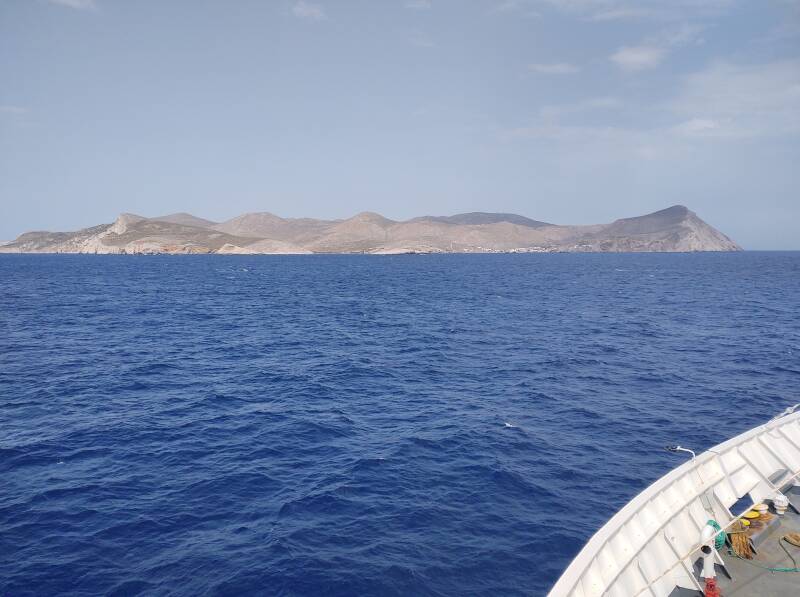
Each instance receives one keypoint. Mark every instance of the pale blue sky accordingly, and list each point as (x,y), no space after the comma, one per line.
(569,111)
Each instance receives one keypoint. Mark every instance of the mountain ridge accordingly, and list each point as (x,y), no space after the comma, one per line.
(674,229)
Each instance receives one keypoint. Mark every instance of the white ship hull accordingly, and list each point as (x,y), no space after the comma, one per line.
(653,545)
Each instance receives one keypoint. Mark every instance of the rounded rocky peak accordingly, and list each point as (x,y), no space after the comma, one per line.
(676,211)
(370,217)
(257,216)
(125,221)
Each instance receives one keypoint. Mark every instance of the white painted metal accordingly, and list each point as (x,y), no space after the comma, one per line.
(707,540)
(650,546)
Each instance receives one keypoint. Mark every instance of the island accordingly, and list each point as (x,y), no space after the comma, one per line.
(675,229)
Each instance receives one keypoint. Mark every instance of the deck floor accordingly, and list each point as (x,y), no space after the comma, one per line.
(750,580)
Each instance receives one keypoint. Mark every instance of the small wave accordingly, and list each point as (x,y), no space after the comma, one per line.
(353,426)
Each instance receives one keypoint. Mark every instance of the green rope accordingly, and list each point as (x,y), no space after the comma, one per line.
(752,563)
(719,541)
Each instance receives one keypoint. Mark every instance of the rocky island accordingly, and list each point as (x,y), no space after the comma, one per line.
(675,229)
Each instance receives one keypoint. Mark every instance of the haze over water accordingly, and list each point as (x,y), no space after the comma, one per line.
(347,425)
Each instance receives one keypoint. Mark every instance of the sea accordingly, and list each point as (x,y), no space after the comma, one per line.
(360,425)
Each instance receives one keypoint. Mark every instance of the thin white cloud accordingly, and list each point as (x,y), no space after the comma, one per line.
(307,10)
(740,100)
(612,10)
(598,143)
(655,49)
(619,14)
(520,7)
(10,109)
(785,31)
(722,103)
(550,121)
(554,112)
(698,127)
(606,144)
(418,4)
(558,68)
(16,115)
(76,4)
(638,58)
(686,34)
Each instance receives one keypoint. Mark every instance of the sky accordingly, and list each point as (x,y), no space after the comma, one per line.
(567,111)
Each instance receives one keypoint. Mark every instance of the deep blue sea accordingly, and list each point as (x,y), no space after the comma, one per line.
(362,425)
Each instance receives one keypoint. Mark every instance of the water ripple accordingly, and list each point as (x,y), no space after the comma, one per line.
(348,425)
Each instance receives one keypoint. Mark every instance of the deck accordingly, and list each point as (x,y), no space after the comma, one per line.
(750,577)
(650,546)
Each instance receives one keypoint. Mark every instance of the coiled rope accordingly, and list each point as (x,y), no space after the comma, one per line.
(719,540)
